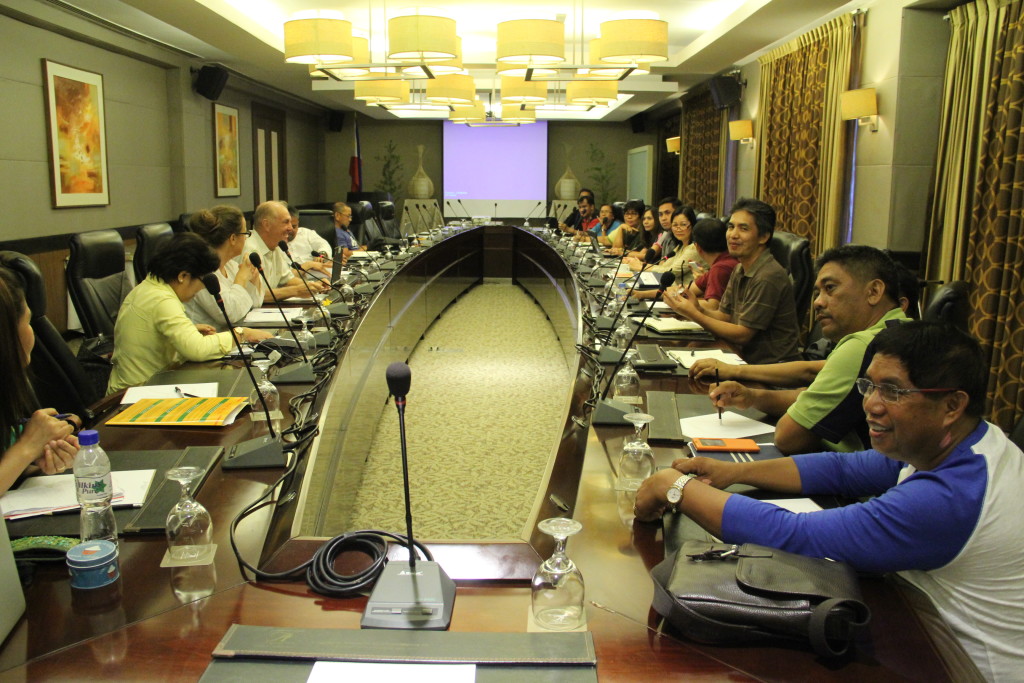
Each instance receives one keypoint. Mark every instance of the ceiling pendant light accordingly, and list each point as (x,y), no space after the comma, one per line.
(360,55)
(519,91)
(514,113)
(451,89)
(473,113)
(531,41)
(318,37)
(422,38)
(592,92)
(624,41)
(451,66)
(382,91)
(520,70)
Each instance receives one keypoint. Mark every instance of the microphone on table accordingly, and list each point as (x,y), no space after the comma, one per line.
(450,208)
(495,216)
(324,316)
(296,373)
(650,258)
(262,451)
(468,214)
(414,595)
(424,216)
(525,220)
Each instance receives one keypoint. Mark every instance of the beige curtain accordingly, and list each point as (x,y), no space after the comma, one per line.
(700,175)
(974,29)
(801,153)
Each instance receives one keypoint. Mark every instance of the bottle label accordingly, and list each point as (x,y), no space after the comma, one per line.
(91,488)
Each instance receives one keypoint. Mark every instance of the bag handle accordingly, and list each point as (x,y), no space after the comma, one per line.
(818,621)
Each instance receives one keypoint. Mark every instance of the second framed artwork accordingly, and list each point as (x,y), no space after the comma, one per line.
(225,146)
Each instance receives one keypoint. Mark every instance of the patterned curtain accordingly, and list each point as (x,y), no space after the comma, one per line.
(995,236)
(700,150)
(801,138)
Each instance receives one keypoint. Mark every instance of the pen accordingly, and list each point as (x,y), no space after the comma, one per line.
(182,394)
(718,381)
(58,416)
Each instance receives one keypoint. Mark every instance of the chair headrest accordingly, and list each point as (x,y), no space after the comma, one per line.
(31,280)
(96,254)
(387,210)
(362,212)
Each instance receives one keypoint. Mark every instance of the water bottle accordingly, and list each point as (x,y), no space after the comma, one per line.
(94,489)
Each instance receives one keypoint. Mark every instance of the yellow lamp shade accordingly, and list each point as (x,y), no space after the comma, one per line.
(531,41)
(450,66)
(317,40)
(854,104)
(472,113)
(594,93)
(519,70)
(382,92)
(514,113)
(422,38)
(360,55)
(451,89)
(625,41)
(741,130)
(672,145)
(520,91)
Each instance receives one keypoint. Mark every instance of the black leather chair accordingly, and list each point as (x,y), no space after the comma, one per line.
(97,281)
(58,379)
(183,222)
(367,230)
(794,254)
(949,305)
(388,221)
(322,222)
(148,241)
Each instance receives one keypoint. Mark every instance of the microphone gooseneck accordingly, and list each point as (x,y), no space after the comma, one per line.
(255,259)
(399,378)
(323,314)
(213,287)
(650,258)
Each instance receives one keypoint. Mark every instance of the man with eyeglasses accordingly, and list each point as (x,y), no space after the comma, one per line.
(944,488)
(302,242)
(271,223)
(856,297)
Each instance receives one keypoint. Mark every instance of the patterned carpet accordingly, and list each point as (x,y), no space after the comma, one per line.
(483,417)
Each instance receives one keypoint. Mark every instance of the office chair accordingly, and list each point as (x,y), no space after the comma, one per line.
(949,305)
(148,241)
(320,221)
(388,222)
(183,225)
(97,281)
(794,254)
(58,379)
(369,231)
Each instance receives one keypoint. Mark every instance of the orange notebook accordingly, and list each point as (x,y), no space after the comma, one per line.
(183,412)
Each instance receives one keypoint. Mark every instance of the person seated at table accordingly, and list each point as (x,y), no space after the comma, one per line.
(709,284)
(667,207)
(152,330)
(757,313)
(573,218)
(586,221)
(677,252)
(224,229)
(31,441)
(607,224)
(944,488)
(630,235)
(271,224)
(302,242)
(856,298)
(344,238)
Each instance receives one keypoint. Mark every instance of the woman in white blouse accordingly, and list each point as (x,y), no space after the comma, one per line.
(224,229)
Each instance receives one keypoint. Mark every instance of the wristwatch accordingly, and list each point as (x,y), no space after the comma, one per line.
(675,492)
(240,331)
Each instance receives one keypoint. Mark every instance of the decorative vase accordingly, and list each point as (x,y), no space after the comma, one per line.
(567,187)
(420,186)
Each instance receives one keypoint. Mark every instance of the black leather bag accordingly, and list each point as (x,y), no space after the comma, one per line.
(725,594)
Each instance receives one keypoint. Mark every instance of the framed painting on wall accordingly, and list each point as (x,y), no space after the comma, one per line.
(225,146)
(77,140)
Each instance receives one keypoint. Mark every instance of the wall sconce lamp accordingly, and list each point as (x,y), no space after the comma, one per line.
(861,105)
(743,131)
(672,145)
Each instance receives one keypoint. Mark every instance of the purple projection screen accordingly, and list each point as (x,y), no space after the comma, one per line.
(495,164)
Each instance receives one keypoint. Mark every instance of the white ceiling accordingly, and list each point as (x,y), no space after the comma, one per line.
(706,37)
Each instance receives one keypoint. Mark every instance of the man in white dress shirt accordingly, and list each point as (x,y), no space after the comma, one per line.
(272,223)
(302,242)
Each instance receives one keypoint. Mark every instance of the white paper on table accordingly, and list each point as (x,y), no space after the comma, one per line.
(649,279)
(268,316)
(687,357)
(45,495)
(667,325)
(660,306)
(796,504)
(732,426)
(379,672)
(202,390)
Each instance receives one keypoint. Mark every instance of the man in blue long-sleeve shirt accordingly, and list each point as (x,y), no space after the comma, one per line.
(946,487)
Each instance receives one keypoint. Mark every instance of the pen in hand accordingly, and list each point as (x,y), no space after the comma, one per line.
(717,382)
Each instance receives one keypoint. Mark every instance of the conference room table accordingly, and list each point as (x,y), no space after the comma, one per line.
(163,624)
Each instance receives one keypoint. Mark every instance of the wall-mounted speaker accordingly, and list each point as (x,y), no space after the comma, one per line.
(210,81)
(335,120)
(725,91)
(638,123)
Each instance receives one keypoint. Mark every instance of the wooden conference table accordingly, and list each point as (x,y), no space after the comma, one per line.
(162,624)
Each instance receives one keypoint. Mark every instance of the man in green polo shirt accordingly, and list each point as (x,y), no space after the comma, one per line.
(856,296)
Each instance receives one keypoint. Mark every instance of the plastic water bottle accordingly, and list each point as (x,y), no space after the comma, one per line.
(94,489)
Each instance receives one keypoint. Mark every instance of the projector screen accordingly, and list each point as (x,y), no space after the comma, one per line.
(484,166)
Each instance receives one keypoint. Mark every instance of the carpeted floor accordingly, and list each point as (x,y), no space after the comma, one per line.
(483,417)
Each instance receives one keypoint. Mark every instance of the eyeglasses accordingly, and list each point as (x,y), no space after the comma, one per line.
(891,393)
(244,233)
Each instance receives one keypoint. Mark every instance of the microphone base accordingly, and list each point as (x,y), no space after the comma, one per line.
(296,373)
(401,599)
(368,288)
(604,323)
(375,277)
(338,310)
(610,412)
(263,451)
